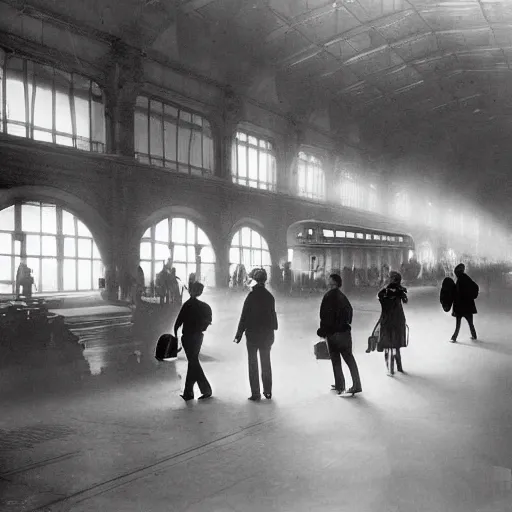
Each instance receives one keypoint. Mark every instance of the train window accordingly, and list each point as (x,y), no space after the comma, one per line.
(299,234)
(393,239)
(350,234)
(368,237)
(400,238)
(340,234)
(310,232)
(328,233)
(376,237)
(360,236)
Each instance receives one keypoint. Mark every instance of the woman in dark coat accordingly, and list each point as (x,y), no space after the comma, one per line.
(392,320)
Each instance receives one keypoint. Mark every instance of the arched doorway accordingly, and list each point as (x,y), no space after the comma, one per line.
(56,245)
(183,243)
(250,249)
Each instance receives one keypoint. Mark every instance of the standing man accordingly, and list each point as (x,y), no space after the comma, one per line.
(466,291)
(335,326)
(259,321)
(195,316)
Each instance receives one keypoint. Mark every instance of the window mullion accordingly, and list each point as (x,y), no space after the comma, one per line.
(71,99)
(54,108)
(149,130)
(4,95)
(163,136)
(33,111)
(178,139)
(25,90)
(91,143)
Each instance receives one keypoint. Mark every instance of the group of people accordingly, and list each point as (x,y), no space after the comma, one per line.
(258,322)
(166,285)
(24,281)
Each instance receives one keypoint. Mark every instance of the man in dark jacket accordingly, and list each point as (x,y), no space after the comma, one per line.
(335,326)
(259,321)
(195,316)
(466,291)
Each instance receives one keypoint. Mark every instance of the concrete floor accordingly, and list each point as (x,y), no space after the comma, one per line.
(110,433)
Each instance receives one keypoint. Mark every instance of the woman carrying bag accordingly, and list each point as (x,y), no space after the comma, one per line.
(393,328)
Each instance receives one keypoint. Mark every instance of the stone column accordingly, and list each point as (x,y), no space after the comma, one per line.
(124,79)
(225,122)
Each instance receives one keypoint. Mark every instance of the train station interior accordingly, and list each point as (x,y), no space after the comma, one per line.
(150,145)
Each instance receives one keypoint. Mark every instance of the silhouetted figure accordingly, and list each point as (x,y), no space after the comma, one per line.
(24,280)
(191,280)
(174,287)
(335,327)
(195,316)
(162,285)
(287,277)
(258,321)
(393,330)
(140,284)
(466,291)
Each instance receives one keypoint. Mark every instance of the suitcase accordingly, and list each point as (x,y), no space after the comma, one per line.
(321,350)
(373,340)
(167,347)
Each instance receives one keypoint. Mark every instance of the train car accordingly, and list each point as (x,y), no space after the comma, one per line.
(361,255)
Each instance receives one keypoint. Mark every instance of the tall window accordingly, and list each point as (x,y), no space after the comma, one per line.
(352,192)
(184,242)
(43,103)
(253,162)
(401,205)
(56,245)
(168,136)
(249,249)
(373,199)
(311,177)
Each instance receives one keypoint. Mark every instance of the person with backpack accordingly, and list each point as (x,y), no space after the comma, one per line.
(466,291)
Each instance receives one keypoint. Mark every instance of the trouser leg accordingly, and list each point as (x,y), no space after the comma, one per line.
(254,378)
(457,327)
(195,373)
(398,358)
(349,358)
(339,379)
(469,319)
(266,369)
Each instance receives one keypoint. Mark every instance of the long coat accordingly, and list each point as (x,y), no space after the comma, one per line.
(392,320)
(466,291)
(259,318)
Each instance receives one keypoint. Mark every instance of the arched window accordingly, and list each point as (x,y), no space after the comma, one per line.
(184,242)
(250,249)
(253,162)
(168,136)
(47,104)
(56,245)
(311,177)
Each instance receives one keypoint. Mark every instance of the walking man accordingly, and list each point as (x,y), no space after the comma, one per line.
(335,326)
(259,321)
(195,316)
(466,291)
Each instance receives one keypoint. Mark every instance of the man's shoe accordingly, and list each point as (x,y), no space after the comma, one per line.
(187,397)
(268,396)
(255,398)
(474,338)
(205,396)
(352,391)
(453,340)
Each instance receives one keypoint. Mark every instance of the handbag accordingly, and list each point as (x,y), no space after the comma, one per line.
(321,350)
(373,340)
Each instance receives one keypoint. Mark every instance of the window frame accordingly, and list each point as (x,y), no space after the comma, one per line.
(29,81)
(177,122)
(246,181)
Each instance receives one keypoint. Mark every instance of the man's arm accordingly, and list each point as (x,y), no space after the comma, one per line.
(274,314)
(207,320)
(179,320)
(241,324)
